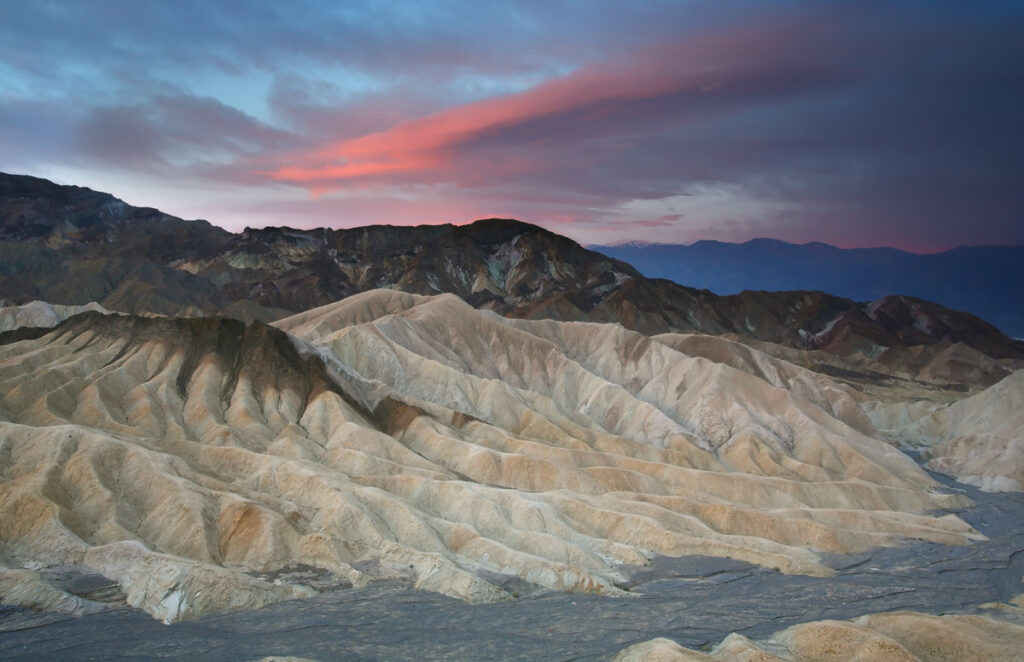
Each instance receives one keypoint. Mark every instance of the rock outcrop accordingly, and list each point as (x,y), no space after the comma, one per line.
(39,314)
(978,439)
(70,245)
(392,435)
(893,636)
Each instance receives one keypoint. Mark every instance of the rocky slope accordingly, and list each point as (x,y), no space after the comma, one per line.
(987,281)
(979,439)
(391,435)
(41,314)
(958,408)
(69,245)
(894,636)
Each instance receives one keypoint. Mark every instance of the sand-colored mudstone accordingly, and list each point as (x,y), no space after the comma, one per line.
(979,439)
(392,435)
(41,314)
(24,587)
(893,637)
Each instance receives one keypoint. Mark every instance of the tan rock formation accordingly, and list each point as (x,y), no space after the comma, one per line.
(978,439)
(392,435)
(42,314)
(894,636)
(27,588)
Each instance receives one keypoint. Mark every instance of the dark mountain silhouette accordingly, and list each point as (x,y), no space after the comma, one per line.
(987,281)
(72,245)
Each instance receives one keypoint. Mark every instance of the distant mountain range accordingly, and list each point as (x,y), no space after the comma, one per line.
(69,245)
(987,281)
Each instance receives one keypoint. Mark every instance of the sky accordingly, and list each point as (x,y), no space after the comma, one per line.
(860,123)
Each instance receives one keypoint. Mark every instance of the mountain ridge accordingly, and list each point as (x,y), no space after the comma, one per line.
(641,243)
(986,281)
(70,245)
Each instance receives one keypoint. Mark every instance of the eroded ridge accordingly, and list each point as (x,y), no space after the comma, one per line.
(398,436)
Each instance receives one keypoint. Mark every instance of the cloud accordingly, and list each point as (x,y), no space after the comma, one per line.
(851,122)
(666,86)
(168,132)
(662,221)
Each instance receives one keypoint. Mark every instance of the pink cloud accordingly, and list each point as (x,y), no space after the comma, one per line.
(483,141)
(426,143)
